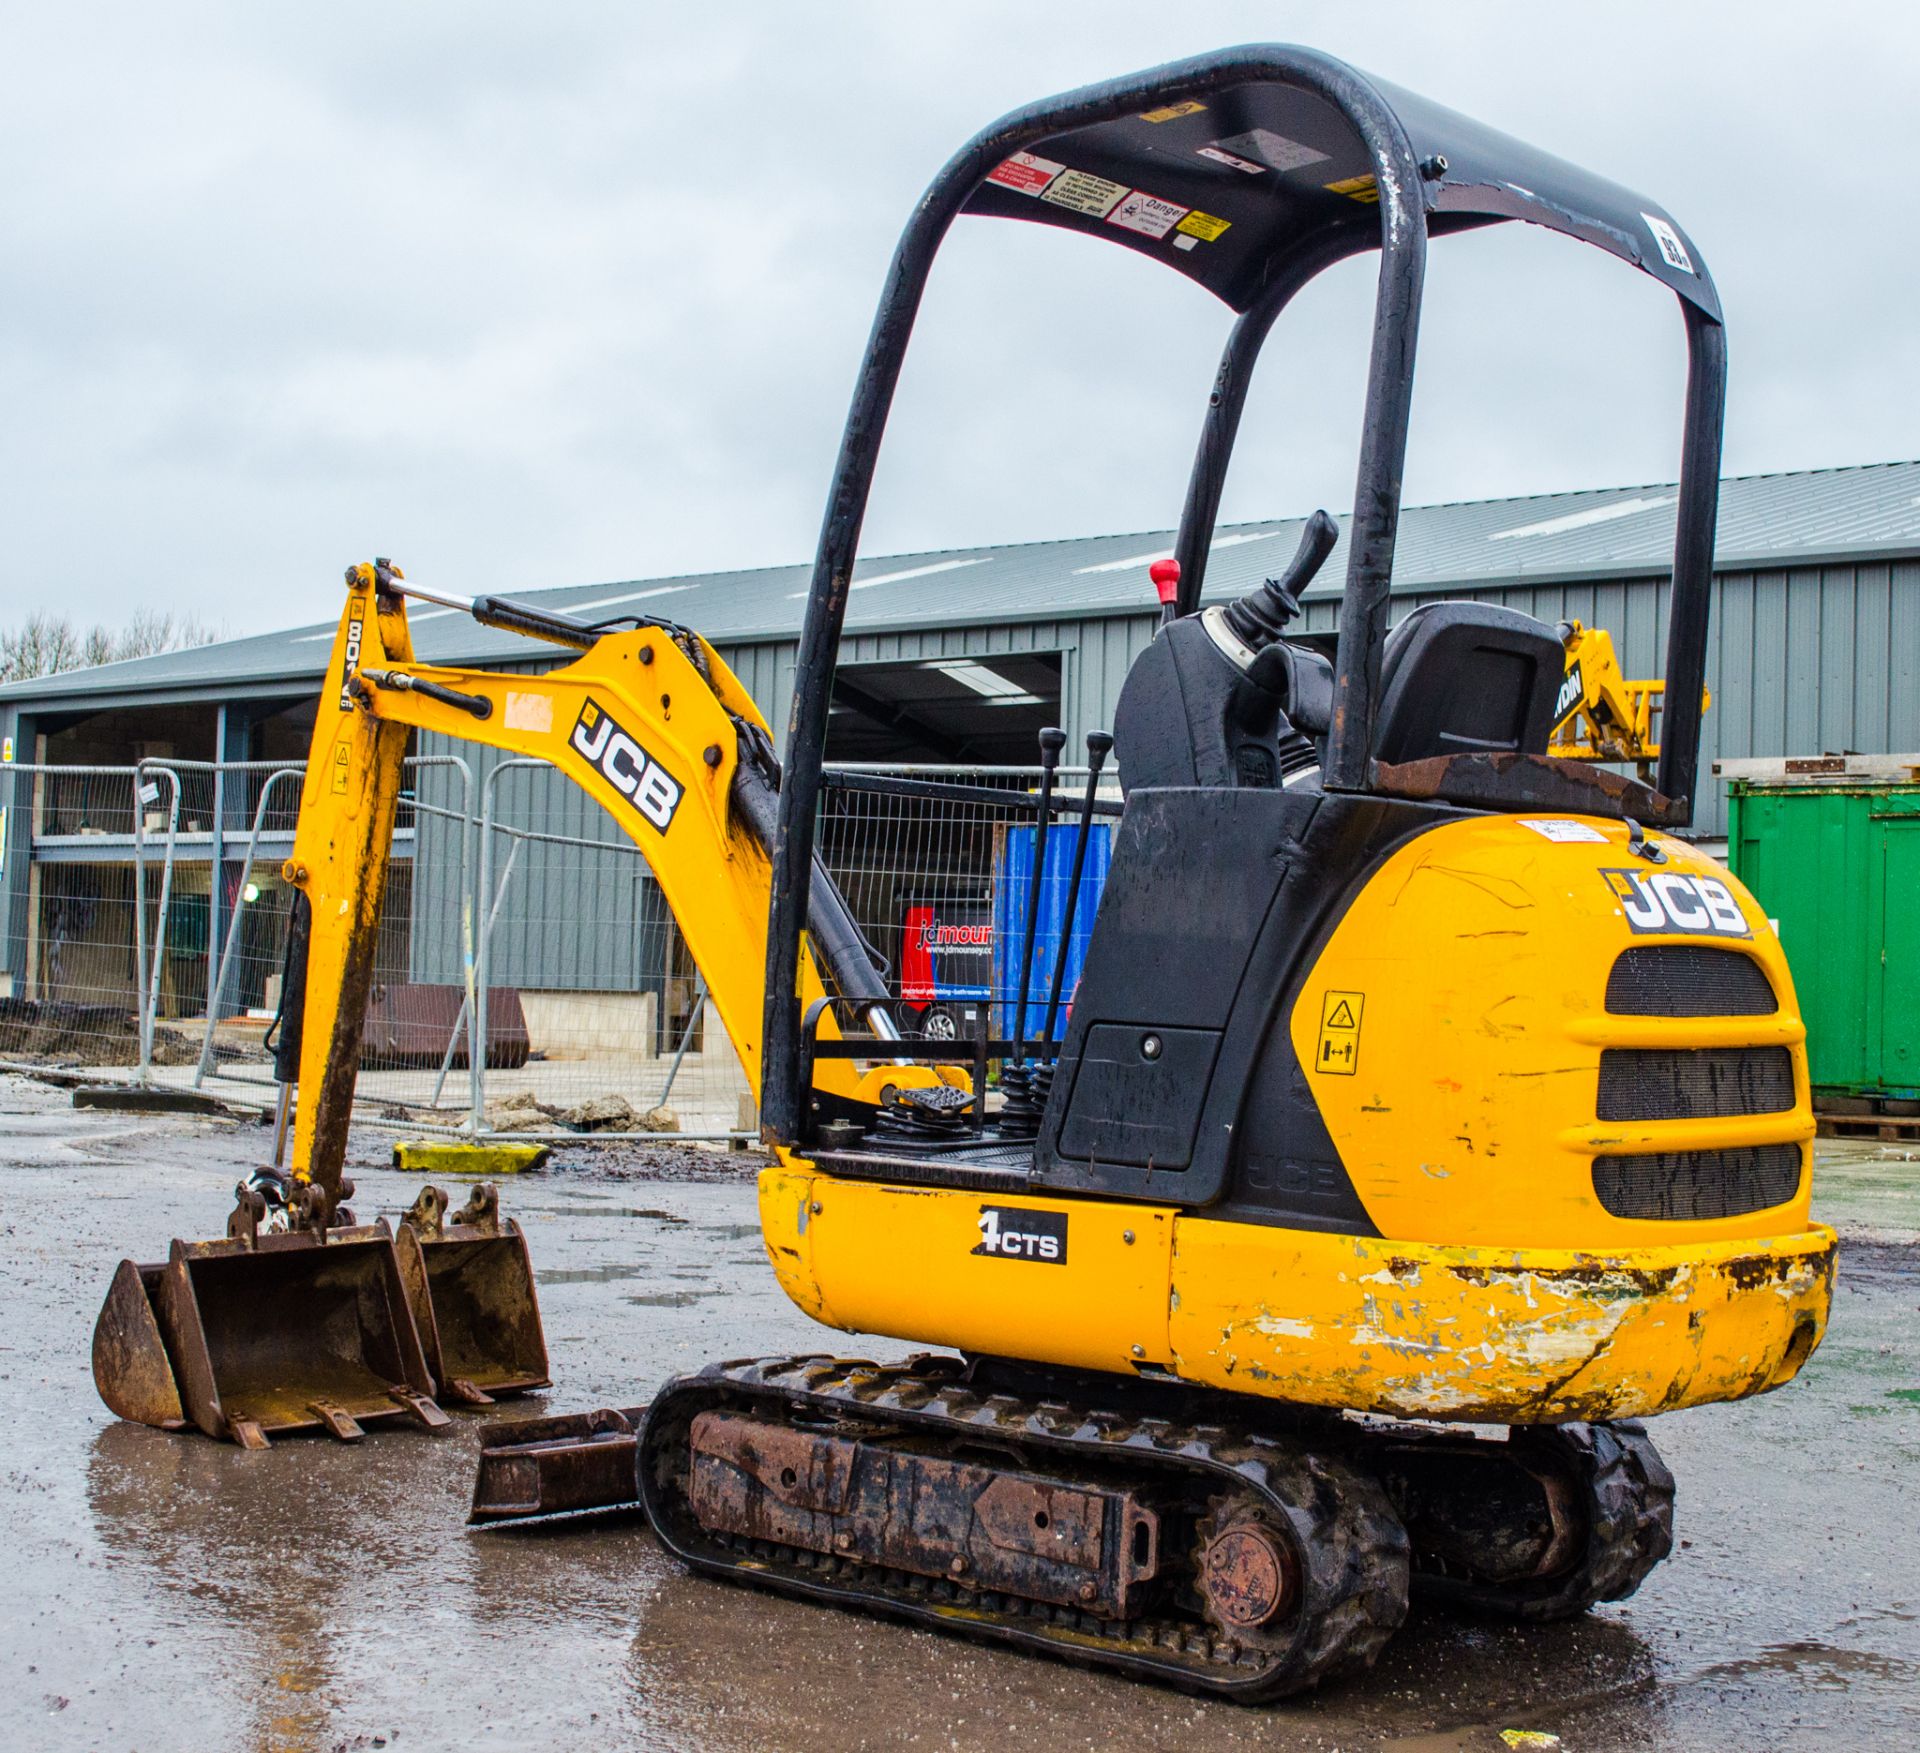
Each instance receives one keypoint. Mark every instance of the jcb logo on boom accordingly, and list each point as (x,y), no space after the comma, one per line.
(627,767)
(1667,901)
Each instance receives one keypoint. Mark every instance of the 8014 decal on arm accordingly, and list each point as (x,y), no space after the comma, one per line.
(1667,901)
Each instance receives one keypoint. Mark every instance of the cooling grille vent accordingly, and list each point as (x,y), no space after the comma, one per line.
(1685,980)
(1698,1183)
(1695,1083)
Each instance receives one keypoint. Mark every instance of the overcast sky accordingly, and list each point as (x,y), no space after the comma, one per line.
(528,296)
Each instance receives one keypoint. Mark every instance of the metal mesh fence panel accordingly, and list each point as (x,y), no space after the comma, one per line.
(147,917)
(937,867)
(596,1015)
(89,852)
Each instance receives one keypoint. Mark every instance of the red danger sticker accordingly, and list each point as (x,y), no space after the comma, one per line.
(1025,173)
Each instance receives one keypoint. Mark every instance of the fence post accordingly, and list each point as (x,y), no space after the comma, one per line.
(217,996)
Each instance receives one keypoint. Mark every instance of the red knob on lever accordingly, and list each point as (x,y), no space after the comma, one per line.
(1166,581)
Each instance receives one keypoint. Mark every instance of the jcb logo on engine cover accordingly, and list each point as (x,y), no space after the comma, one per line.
(1572,691)
(1016,1234)
(1667,901)
(627,767)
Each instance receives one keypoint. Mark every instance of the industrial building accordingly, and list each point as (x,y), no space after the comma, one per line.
(956,657)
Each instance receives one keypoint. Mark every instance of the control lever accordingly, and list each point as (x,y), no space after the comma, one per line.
(1098,745)
(1260,616)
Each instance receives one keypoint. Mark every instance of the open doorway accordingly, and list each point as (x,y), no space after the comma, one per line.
(971,711)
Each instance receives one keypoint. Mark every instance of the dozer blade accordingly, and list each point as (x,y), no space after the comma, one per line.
(255,1335)
(469,1280)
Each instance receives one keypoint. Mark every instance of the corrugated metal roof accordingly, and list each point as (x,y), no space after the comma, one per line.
(1823,515)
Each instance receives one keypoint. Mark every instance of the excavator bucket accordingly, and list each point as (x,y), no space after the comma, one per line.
(258,1334)
(469,1280)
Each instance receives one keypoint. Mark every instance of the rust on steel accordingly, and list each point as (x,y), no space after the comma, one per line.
(1018,1531)
(557,1466)
(1247,1575)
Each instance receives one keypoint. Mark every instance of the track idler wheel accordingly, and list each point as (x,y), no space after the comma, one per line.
(1539,1527)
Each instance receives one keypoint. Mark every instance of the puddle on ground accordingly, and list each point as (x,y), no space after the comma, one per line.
(648,1211)
(671,1299)
(586,1274)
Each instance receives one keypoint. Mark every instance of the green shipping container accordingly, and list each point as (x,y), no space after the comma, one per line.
(1838,867)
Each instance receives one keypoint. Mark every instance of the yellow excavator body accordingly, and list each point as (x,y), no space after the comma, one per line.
(1460,1045)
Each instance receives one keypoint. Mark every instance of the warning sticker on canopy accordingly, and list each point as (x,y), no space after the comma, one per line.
(1172,112)
(1084,193)
(1146,214)
(1025,173)
(1203,225)
(1363,189)
(1275,151)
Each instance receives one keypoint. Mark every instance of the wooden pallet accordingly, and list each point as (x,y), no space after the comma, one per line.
(1887,1128)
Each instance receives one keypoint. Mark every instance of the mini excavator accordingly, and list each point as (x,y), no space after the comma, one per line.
(1427,1115)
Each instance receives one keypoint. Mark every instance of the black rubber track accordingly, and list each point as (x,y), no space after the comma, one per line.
(1349,1545)
(1626,1494)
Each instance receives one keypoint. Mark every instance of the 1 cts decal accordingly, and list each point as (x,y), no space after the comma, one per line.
(627,767)
(356,618)
(1017,1234)
(1667,901)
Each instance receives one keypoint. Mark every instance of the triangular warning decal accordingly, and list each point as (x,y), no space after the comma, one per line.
(1342,1017)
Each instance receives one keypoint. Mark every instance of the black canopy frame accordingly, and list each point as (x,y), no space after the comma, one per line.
(1360,165)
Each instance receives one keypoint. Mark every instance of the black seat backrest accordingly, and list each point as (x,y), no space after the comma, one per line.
(1457,678)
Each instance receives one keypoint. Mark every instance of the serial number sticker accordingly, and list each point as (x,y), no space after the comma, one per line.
(1147,214)
(1668,901)
(1013,1232)
(1232,160)
(1084,193)
(1025,173)
(1338,1054)
(1563,832)
(1672,251)
(1273,150)
(1363,189)
(1204,226)
(1172,112)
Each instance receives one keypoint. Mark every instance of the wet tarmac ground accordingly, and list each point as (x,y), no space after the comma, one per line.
(170,1592)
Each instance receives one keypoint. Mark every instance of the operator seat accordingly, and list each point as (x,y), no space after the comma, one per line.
(1467,678)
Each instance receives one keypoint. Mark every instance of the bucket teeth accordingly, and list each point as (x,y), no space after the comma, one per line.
(337,1420)
(429,1414)
(324,1326)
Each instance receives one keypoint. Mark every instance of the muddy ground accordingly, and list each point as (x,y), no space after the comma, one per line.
(169,1592)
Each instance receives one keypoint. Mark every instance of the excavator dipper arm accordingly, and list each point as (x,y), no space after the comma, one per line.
(650,723)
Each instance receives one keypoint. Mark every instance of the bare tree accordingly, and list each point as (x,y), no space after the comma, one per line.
(45,644)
